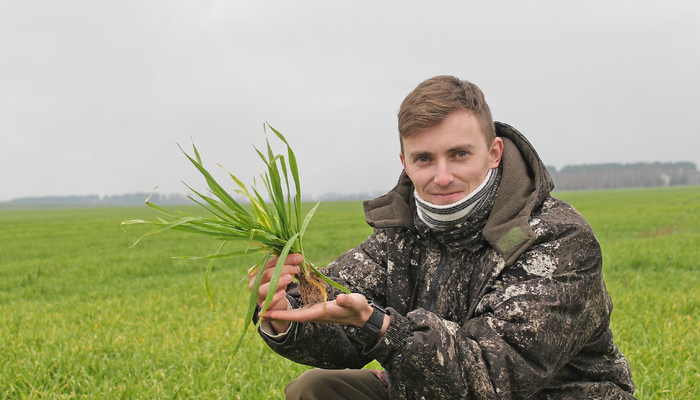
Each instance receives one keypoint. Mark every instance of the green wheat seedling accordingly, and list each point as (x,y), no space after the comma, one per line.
(276,229)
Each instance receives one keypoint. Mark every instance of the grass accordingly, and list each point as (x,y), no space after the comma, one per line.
(82,315)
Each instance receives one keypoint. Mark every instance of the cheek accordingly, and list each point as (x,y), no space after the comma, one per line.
(472,175)
(419,176)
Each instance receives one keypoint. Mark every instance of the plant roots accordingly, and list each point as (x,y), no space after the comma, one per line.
(312,289)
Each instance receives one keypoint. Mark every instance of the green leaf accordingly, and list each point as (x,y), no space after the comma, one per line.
(165,227)
(327,280)
(252,300)
(207,286)
(218,254)
(216,189)
(196,153)
(309,215)
(219,207)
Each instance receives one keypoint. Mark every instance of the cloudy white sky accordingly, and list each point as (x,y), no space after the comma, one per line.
(93,95)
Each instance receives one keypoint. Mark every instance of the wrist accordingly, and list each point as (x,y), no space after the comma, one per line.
(371,330)
(365,315)
(385,325)
(281,326)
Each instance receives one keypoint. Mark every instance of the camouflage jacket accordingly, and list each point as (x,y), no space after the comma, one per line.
(509,305)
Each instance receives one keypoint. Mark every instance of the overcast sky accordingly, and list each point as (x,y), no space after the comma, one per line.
(95,94)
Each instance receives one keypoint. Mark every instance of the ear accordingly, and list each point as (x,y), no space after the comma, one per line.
(403,162)
(496,152)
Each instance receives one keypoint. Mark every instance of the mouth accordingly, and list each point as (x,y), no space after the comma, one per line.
(446,197)
(444,193)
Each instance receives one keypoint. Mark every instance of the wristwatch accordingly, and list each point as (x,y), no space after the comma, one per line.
(369,333)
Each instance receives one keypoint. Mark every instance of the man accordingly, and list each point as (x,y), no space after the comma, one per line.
(483,285)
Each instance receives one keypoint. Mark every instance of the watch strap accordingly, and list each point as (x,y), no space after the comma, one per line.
(369,333)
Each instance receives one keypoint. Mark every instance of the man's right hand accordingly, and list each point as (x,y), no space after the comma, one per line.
(279,301)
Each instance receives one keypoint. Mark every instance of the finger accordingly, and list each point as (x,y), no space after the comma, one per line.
(264,288)
(271,262)
(267,275)
(279,302)
(252,274)
(286,270)
(341,300)
(354,301)
(251,281)
(292,259)
(313,313)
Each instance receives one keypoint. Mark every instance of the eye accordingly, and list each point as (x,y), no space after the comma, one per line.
(422,159)
(461,154)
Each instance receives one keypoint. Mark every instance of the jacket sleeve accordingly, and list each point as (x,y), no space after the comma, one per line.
(326,345)
(537,316)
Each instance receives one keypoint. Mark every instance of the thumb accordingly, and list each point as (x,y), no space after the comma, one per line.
(354,300)
(342,300)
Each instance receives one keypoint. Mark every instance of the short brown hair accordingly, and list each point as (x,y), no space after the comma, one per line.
(431,101)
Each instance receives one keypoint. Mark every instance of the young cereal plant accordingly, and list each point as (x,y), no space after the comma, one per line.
(274,230)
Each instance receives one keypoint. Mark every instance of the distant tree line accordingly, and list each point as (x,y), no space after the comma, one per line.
(133,199)
(95,200)
(609,176)
(345,196)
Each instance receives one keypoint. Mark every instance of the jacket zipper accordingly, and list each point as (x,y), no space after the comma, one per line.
(436,278)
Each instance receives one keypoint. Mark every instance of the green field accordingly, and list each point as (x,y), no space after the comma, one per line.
(83,315)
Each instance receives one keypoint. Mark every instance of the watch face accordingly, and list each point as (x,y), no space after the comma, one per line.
(358,335)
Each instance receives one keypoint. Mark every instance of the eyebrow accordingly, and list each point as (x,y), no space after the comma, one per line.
(459,147)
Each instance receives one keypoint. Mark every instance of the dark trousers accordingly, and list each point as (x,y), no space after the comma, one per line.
(340,384)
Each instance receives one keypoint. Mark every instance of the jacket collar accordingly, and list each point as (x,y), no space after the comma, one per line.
(467,235)
(524,185)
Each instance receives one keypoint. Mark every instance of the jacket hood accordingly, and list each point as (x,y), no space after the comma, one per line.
(525,184)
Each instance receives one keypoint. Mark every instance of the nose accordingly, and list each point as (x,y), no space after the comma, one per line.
(443,175)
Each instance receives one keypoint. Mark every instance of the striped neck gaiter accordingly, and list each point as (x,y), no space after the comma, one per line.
(442,217)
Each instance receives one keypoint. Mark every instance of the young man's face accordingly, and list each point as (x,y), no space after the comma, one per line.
(450,160)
